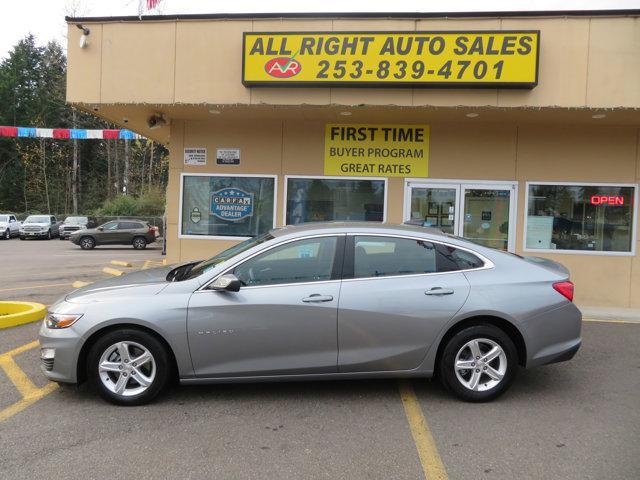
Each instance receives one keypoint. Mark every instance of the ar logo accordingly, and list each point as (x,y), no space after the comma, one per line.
(283,67)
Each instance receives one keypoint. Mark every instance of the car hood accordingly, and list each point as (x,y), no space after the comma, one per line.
(144,282)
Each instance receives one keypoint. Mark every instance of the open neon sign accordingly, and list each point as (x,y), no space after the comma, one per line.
(607,200)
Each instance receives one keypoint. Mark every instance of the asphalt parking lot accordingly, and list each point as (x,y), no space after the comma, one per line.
(576,420)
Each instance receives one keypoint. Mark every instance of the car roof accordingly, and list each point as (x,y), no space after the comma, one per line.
(348,227)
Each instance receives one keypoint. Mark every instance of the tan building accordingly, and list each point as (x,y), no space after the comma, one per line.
(518,131)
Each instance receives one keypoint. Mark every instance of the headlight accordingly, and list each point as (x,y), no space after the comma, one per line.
(61,320)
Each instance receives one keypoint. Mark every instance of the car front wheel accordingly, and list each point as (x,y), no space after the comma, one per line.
(128,367)
(479,363)
(139,243)
(87,243)
(7,235)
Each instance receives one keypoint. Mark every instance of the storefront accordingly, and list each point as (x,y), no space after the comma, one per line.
(515,131)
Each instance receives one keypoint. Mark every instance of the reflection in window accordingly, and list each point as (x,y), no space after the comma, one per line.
(308,260)
(227,206)
(572,217)
(319,200)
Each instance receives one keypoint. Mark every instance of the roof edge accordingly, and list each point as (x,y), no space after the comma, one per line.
(249,16)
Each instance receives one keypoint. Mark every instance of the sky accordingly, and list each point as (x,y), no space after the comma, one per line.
(45,18)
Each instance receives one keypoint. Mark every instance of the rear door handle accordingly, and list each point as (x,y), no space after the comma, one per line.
(317,298)
(439,291)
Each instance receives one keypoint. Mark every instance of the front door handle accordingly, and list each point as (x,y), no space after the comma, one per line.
(317,298)
(439,291)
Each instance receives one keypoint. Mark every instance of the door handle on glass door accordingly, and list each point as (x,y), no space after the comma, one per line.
(317,298)
(439,291)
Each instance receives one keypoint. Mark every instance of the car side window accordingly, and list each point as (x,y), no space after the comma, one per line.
(309,260)
(452,259)
(110,226)
(387,256)
(52,219)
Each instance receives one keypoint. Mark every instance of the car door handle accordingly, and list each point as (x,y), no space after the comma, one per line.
(439,291)
(317,298)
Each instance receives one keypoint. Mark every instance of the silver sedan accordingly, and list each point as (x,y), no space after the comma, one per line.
(319,301)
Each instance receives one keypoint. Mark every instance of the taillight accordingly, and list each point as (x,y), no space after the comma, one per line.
(564,288)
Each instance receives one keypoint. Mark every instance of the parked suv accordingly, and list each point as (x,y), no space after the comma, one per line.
(40,226)
(9,226)
(118,232)
(73,224)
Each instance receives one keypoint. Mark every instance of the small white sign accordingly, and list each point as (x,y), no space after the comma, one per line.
(228,156)
(195,156)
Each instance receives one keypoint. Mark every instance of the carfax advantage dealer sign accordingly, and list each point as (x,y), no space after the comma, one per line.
(410,59)
(376,150)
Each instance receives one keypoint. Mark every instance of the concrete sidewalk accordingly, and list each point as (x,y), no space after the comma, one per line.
(631,315)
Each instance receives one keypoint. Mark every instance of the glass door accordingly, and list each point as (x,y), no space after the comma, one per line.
(434,206)
(488,216)
(481,212)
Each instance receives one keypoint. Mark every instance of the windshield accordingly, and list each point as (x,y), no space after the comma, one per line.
(202,267)
(4,218)
(37,219)
(76,220)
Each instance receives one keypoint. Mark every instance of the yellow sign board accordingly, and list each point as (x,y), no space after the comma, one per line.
(410,59)
(376,150)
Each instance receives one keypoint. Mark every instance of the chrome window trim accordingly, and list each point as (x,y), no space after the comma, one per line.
(240,262)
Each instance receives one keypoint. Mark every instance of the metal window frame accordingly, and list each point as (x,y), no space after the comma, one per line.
(345,178)
(634,216)
(235,175)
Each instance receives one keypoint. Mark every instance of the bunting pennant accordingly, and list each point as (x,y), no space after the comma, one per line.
(68,133)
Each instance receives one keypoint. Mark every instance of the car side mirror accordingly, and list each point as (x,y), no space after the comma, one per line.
(227,282)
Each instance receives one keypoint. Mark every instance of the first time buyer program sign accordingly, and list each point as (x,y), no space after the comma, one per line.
(469,59)
(376,150)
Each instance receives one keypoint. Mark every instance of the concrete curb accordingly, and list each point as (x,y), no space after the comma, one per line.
(13,314)
(120,263)
(113,271)
(611,314)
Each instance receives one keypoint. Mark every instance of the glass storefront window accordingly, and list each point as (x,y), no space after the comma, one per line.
(228,206)
(580,217)
(326,199)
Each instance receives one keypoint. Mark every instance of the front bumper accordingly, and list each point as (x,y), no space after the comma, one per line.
(65,344)
(33,234)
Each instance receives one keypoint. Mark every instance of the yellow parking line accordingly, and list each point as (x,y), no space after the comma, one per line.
(30,393)
(20,405)
(113,271)
(120,263)
(80,284)
(19,350)
(17,376)
(608,321)
(432,465)
(34,286)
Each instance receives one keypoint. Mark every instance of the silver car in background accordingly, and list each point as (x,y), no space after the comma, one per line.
(319,301)
(40,226)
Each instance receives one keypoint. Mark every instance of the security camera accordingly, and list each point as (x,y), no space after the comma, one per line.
(157,120)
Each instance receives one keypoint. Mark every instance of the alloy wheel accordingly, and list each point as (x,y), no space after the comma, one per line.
(139,243)
(7,234)
(127,368)
(87,243)
(480,364)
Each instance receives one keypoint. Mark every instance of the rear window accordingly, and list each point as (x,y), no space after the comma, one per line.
(130,225)
(453,259)
(391,256)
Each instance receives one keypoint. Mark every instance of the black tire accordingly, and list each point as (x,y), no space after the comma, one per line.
(49,235)
(161,357)
(21,238)
(139,243)
(87,243)
(7,235)
(447,370)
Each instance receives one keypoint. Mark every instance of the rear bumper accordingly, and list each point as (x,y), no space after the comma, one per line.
(553,336)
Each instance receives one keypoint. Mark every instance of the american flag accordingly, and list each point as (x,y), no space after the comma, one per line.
(151,4)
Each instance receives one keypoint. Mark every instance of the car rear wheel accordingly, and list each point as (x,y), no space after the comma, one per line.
(479,363)
(87,243)
(128,367)
(139,243)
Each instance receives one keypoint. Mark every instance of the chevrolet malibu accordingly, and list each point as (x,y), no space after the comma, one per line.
(318,301)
